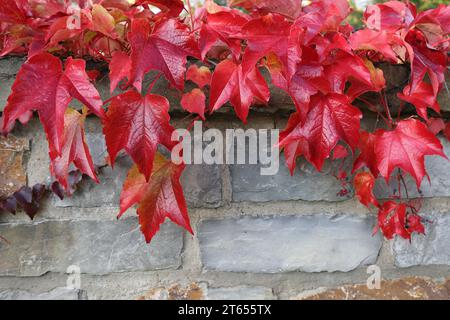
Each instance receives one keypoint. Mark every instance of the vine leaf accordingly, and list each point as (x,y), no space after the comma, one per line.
(138,124)
(223,26)
(331,119)
(406,147)
(229,83)
(172,8)
(367,156)
(119,68)
(269,33)
(74,150)
(163,47)
(200,76)
(159,198)
(194,102)
(56,88)
(393,219)
(364,183)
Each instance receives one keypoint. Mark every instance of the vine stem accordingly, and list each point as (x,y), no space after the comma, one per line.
(188,2)
(386,108)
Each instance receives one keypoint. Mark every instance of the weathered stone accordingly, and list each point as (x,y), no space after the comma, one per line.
(240,293)
(12,173)
(55,294)
(412,288)
(105,194)
(306,184)
(202,185)
(312,243)
(200,291)
(438,169)
(8,70)
(194,291)
(429,249)
(97,247)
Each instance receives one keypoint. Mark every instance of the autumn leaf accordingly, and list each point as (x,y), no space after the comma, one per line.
(138,124)
(269,33)
(331,118)
(422,98)
(288,8)
(119,68)
(163,47)
(194,102)
(367,156)
(364,183)
(159,198)
(293,148)
(405,147)
(42,85)
(230,84)
(201,76)
(172,8)
(224,27)
(74,150)
(394,219)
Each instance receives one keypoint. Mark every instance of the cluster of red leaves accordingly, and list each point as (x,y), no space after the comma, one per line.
(309,51)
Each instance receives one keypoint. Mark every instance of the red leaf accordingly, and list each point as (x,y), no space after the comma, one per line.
(367,156)
(406,147)
(392,220)
(436,125)
(159,198)
(56,90)
(74,150)
(295,148)
(119,68)
(230,84)
(339,152)
(200,76)
(194,102)
(266,34)
(164,47)
(223,26)
(364,183)
(172,8)
(138,124)
(422,98)
(331,118)
(380,41)
(288,8)
(414,223)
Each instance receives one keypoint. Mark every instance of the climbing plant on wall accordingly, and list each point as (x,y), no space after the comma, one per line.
(309,50)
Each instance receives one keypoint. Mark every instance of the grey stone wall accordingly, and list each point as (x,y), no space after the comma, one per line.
(257,237)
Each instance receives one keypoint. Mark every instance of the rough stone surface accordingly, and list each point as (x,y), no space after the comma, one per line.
(193,291)
(8,70)
(97,247)
(429,249)
(55,294)
(438,169)
(12,172)
(412,288)
(307,184)
(288,243)
(240,293)
(201,291)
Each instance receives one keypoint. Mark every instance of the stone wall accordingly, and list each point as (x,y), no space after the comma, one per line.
(256,237)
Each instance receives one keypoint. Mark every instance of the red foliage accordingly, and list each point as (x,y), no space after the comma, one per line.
(309,52)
